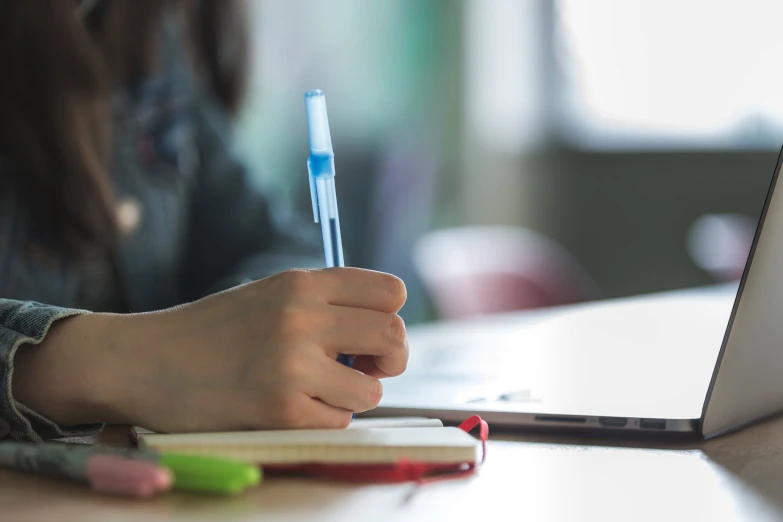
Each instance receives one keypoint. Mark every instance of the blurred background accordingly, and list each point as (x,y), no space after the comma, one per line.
(511,154)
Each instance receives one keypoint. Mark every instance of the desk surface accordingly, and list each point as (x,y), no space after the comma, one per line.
(526,476)
(737,477)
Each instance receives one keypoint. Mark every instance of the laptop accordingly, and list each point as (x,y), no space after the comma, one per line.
(702,361)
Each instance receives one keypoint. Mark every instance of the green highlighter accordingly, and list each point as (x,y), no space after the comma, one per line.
(210,475)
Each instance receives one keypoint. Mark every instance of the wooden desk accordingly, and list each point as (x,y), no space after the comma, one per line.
(526,477)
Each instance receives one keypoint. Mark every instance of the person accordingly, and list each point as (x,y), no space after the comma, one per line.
(143,280)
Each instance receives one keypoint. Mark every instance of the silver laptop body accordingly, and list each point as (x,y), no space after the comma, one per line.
(701,361)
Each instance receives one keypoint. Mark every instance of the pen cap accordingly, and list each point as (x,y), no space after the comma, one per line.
(318,123)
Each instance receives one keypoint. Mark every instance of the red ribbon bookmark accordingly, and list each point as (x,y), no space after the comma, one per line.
(467,425)
(403,471)
(471,423)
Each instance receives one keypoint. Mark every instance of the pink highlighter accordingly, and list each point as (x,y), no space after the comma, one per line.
(113,474)
(122,476)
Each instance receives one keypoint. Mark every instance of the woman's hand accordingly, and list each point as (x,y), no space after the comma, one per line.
(262,355)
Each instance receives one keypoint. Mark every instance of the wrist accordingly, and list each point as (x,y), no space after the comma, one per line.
(73,377)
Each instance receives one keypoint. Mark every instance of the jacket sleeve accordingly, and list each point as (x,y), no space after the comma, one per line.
(22,325)
(235,235)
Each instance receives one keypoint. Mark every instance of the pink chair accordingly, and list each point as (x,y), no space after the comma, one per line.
(491,269)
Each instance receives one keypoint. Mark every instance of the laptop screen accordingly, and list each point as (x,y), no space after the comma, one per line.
(746,385)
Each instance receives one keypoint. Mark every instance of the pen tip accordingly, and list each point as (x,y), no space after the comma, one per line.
(313,92)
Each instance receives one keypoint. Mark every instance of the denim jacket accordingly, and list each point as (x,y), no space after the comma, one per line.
(198,226)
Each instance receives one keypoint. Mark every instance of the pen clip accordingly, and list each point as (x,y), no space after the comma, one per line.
(313,191)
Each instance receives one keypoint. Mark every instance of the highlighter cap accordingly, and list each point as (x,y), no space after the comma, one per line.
(318,123)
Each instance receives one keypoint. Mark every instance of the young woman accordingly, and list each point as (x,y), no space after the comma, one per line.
(119,195)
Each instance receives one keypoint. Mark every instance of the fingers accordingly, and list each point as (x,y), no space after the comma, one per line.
(349,287)
(368,365)
(356,331)
(359,331)
(345,388)
(357,288)
(315,414)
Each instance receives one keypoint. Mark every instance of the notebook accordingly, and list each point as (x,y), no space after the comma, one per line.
(370,449)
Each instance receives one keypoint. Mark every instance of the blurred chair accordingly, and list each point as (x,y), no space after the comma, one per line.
(720,243)
(491,269)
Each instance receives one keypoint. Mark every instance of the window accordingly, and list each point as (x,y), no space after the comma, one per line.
(669,73)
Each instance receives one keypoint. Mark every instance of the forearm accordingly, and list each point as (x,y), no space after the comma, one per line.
(113,369)
(23,325)
(64,378)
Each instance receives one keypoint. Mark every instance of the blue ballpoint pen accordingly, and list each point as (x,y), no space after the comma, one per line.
(320,165)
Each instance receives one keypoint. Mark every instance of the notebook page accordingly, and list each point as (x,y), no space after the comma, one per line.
(392,422)
(363,423)
(371,446)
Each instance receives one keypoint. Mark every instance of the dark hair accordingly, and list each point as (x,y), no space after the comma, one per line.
(55,117)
